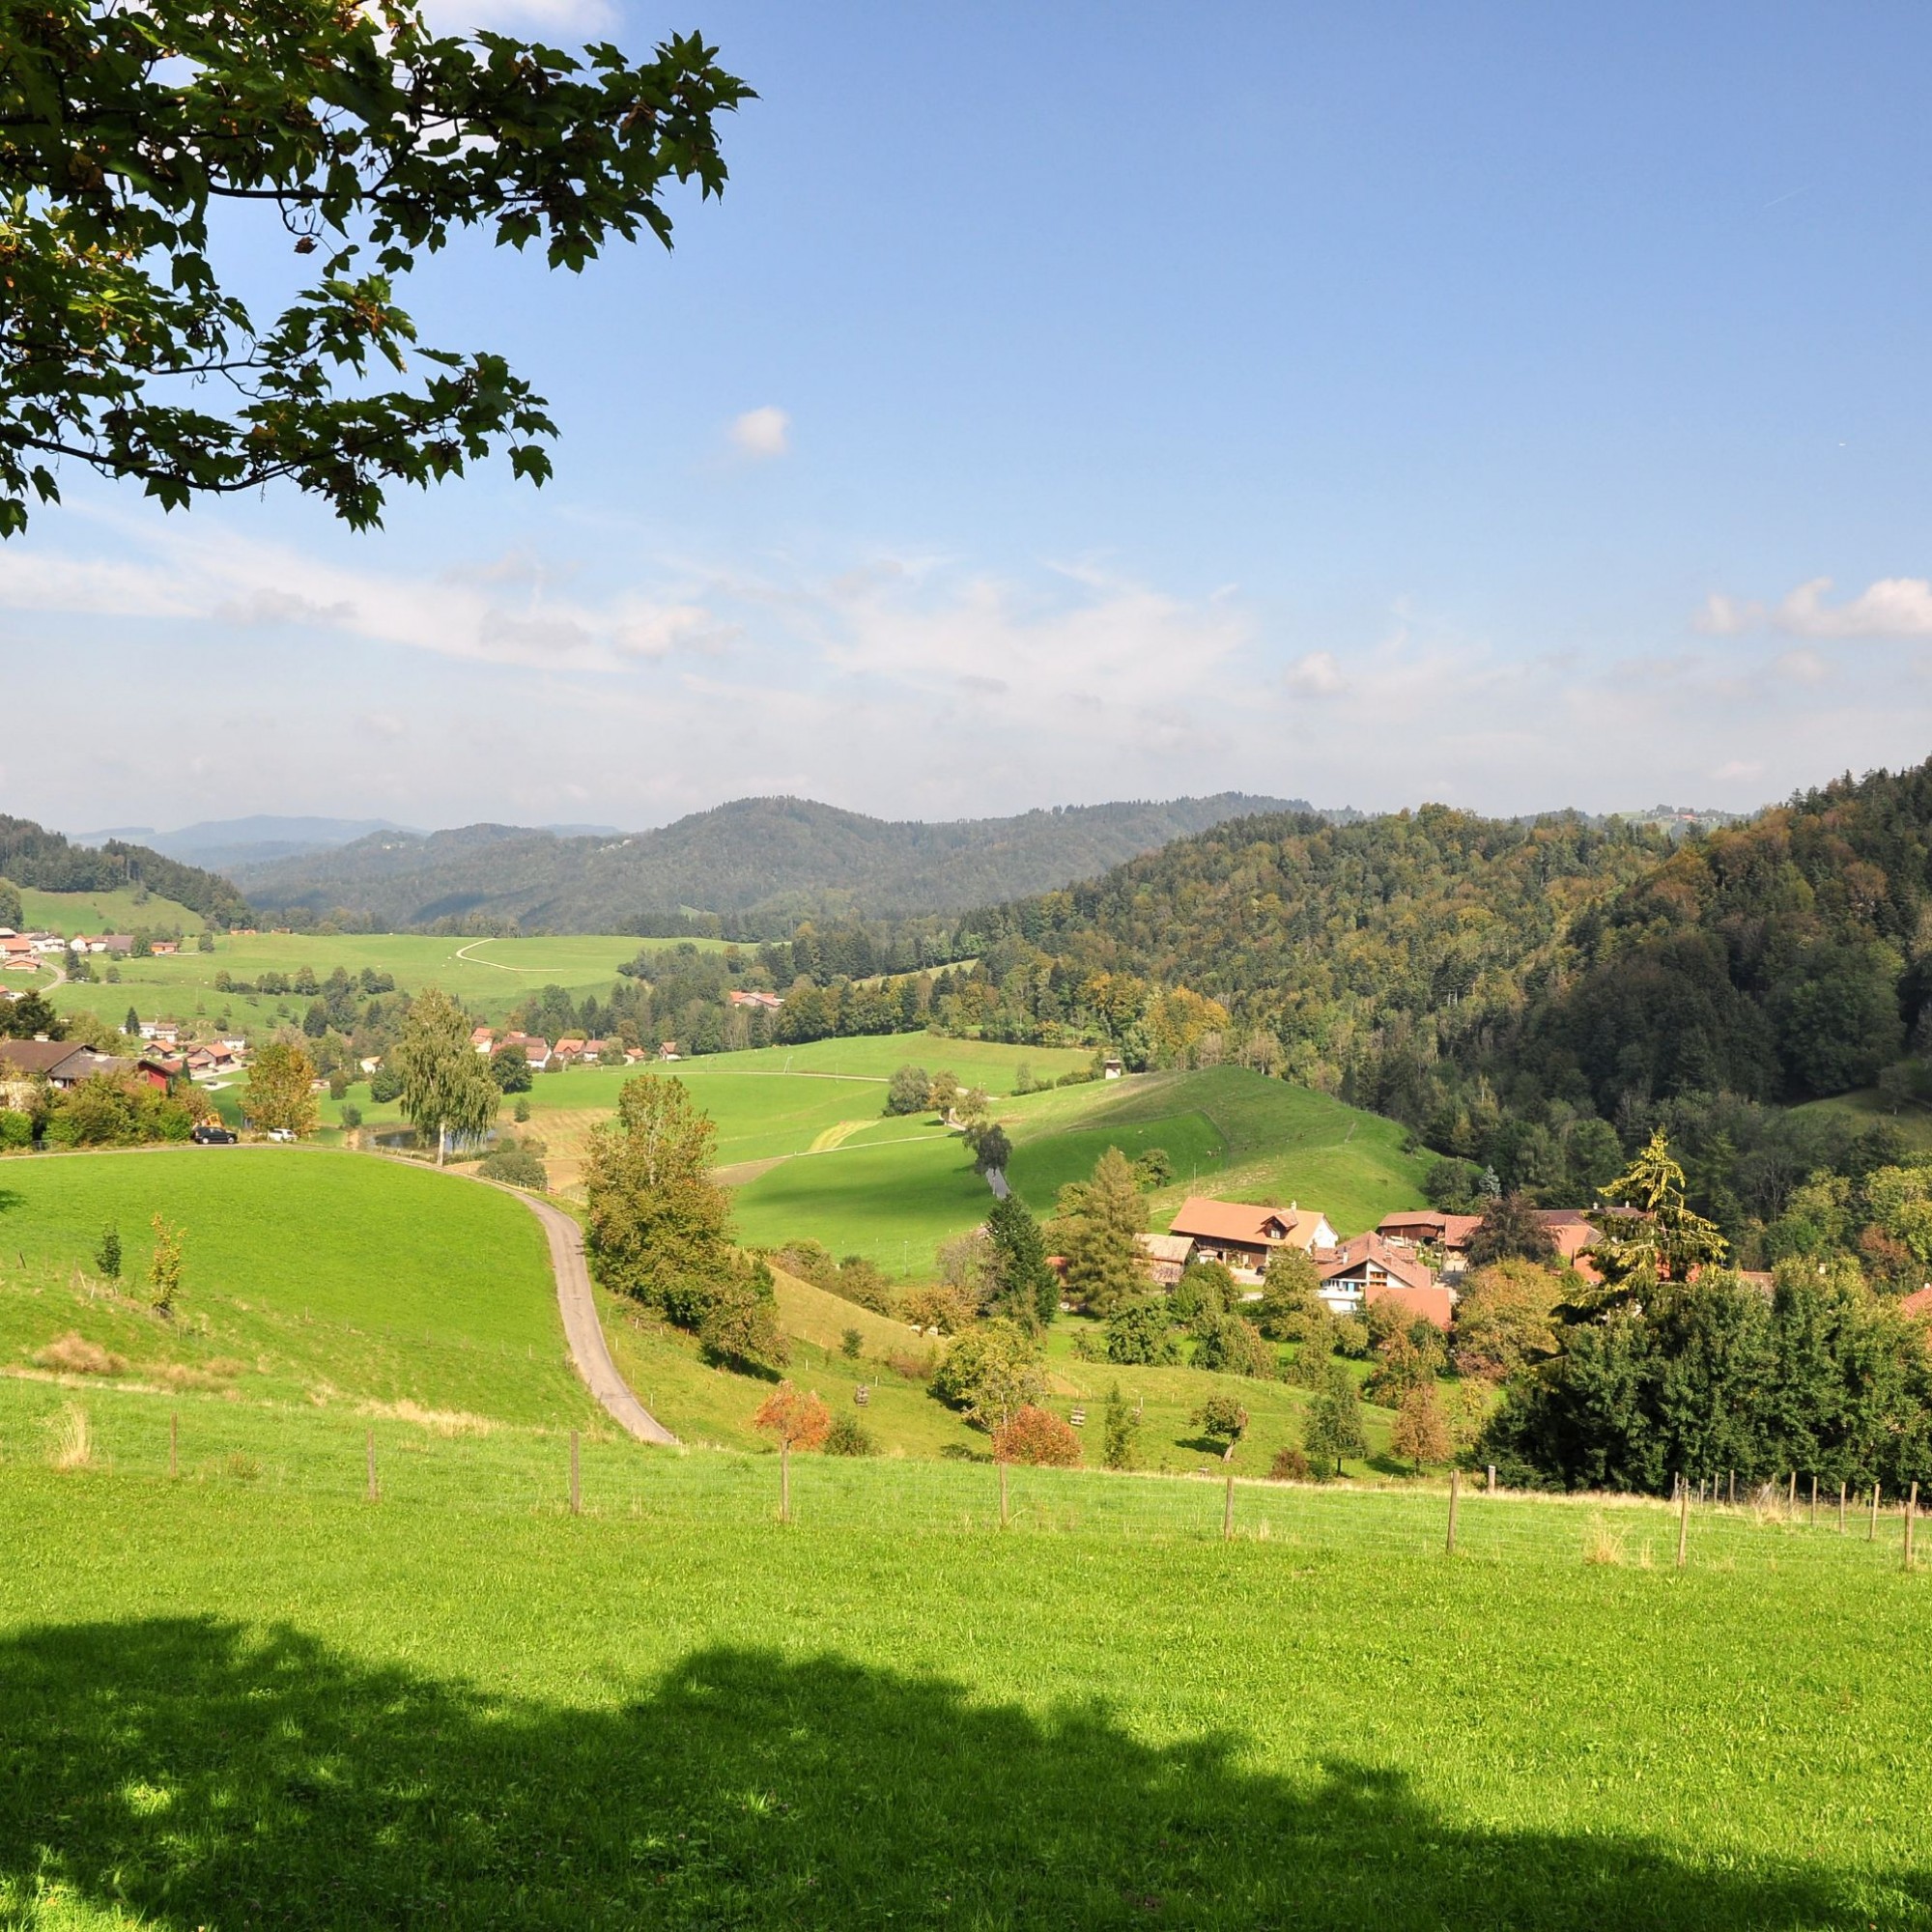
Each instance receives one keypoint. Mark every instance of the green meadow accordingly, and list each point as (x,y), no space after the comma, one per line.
(236,1690)
(119,910)
(247,1695)
(490,976)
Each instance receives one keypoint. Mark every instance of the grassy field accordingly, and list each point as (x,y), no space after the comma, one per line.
(312,1278)
(1867,1107)
(490,976)
(120,911)
(246,1696)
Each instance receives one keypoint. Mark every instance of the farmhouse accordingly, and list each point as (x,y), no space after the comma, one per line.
(162,948)
(1371,1270)
(1242,1236)
(1448,1232)
(118,943)
(738,997)
(1167,1256)
(484,1039)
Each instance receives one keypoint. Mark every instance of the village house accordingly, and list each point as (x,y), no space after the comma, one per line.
(165,1032)
(738,997)
(1370,1269)
(162,948)
(119,944)
(1241,1236)
(535,1050)
(484,1039)
(60,1063)
(569,1050)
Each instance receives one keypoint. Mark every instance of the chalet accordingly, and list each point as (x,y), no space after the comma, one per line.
(372,1063)
(1167,1256)
(1242,1236)
(1111,1070)
(60,1063)
(157,1069)
(120,944)
(668,1051)
(162,948)
(484,1039)
(569,1050)
(163,1032)
(1371,1269)
(1568,1228)
(47,943)
(770,1001)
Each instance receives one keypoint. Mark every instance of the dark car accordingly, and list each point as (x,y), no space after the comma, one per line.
(209,1135)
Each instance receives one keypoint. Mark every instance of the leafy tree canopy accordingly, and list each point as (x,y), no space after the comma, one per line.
(374,140)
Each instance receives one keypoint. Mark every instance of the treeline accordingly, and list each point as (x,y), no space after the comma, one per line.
(32,856)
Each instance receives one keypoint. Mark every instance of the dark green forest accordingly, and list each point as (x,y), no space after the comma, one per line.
(1531,997)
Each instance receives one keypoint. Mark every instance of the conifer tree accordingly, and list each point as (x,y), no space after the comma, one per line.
(1021,1284)
(1105,1264)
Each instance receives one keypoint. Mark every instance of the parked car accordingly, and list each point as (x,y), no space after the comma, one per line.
(207,1134)
(281,1134)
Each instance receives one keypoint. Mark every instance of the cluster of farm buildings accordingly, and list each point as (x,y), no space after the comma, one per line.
(1415,1259)
(26,952)
(572,1050)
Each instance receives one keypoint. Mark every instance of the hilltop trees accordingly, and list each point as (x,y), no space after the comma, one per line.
(446,1089)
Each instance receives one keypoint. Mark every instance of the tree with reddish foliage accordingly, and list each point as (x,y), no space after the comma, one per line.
(794,1420)
(1038,1437)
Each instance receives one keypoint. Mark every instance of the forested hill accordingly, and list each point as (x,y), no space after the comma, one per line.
(32,856)
(755,867)
(1529,996)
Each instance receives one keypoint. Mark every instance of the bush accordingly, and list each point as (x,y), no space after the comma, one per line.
(352,1116)
(16,1130)
(850,1343)
(740,1328)
(1038,1437)
(848,1437)
(1222,1419)
(940,1307)
(992,1372)
(1290,1465)
(517,1166)
(909,1090)
(1121,1436)
(386,1085)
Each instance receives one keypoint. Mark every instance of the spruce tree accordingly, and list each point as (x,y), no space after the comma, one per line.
(1105,1264)
(1022,1285)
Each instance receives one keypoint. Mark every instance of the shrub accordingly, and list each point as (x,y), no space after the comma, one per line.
(1038,1437)
(850,1342)
(940,1307)
(16,1130)
(72,1354)
(386,1085)
(740,1325)
(164,1271)
(1121,1438)
(107,1253)
(1222,1419)
(1290,1465)
(848,1437)
(909,1090)
(352,1116)
(518,1166)
(72,1438)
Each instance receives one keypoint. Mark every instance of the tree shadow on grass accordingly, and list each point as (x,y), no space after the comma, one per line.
(188,1774)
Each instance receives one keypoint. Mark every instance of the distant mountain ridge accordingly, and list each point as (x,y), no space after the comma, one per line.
(766,863)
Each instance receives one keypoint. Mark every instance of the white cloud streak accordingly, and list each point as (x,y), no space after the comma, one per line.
(762,434)
(1893,606)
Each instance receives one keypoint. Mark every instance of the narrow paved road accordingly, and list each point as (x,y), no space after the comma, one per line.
(589,1352)
(580,1327)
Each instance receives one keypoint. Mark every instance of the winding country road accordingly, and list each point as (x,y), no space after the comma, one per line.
(589,1352)
(582,1330)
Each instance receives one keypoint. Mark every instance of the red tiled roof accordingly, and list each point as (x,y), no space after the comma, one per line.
(1243,1223)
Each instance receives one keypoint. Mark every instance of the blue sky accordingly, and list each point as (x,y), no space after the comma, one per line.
(1506,405)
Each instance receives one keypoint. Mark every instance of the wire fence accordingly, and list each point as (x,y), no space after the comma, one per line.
(410,1462)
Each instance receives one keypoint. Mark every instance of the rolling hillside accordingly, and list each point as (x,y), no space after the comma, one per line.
(768,862)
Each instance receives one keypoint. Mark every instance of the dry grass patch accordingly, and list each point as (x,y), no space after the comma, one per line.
(70,1438)
(437,1421)
(73,1354)
(1603,1545)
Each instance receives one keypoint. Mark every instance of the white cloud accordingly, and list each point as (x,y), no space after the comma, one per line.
(1893,606)
(1316,675)
(1738,768)
(762,434)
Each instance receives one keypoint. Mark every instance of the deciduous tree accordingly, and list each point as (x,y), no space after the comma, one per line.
(1332,1428)
(1419,1431)
(124,347)
(446,1087)
(281,1090)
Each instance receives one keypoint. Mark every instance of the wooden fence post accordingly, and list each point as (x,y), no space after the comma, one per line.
(1683,1521)
(1841,1508)
(1493,1479)
(1911,1510)
(369,1455)
(1791,1495)
(1454,1491)
(1814,1502)
(1871,1535)
(1228,1508)
(576,1486)
(1734,1489)
(174,1446)
(1003,1493)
